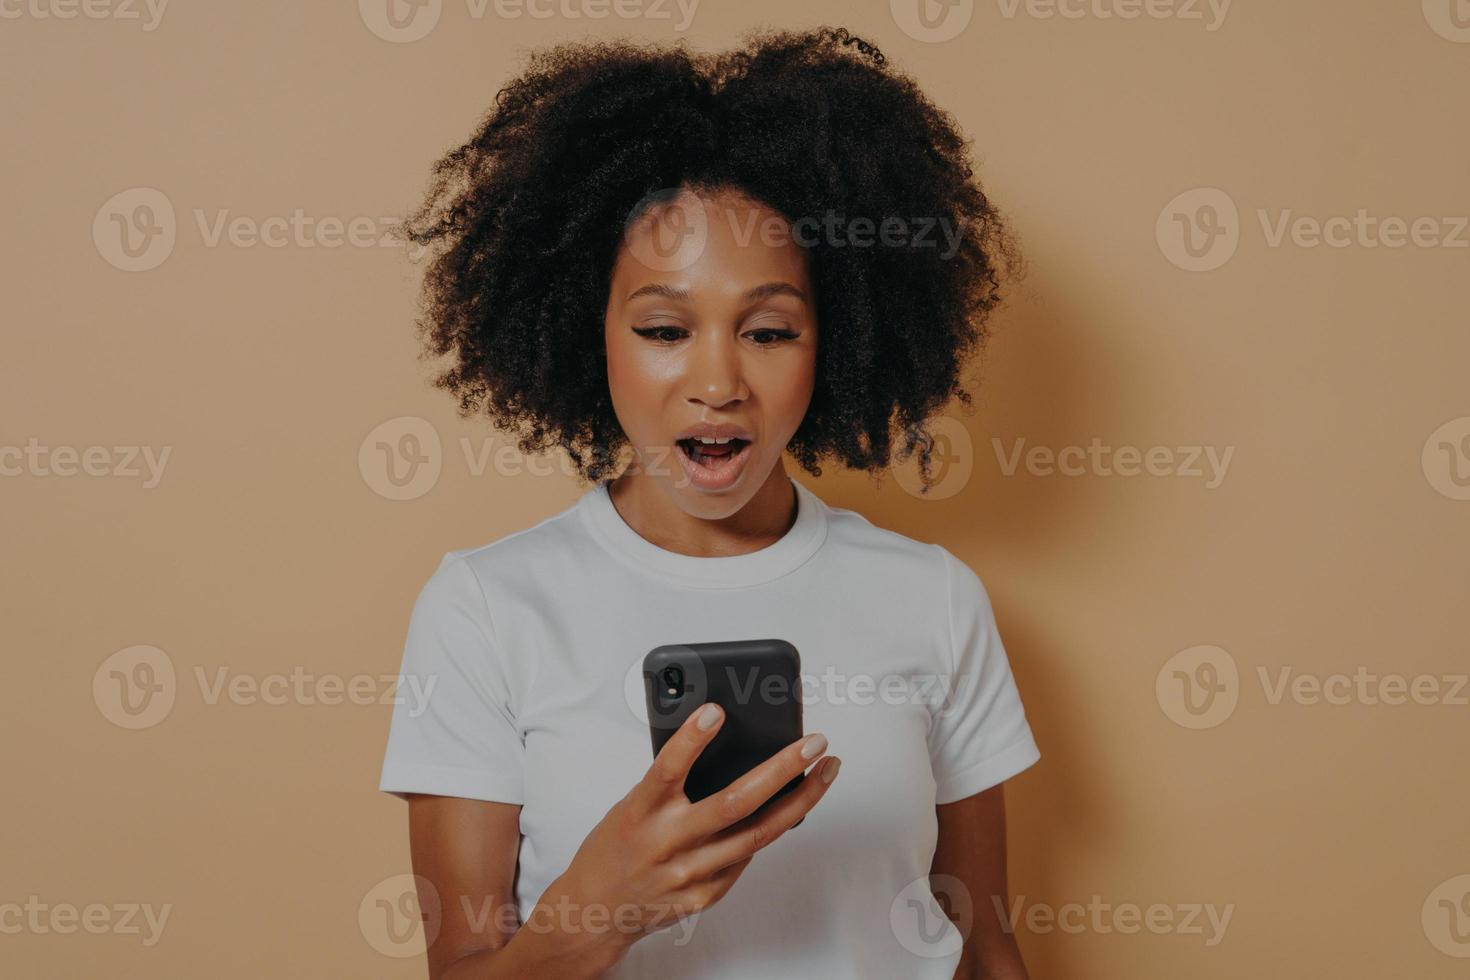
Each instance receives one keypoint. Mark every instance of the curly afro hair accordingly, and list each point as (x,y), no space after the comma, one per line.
(524,222)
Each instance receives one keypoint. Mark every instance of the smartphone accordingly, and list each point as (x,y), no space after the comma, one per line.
(757,684)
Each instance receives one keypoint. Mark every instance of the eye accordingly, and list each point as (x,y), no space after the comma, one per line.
(660,334)
(780,336)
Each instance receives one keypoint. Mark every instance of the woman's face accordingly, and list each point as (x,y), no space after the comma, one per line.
(710,319)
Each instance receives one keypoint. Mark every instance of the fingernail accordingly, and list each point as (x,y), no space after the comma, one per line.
(815,746)
(708,715)
(829,771)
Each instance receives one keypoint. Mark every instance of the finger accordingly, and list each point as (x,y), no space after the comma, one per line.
(741,841)
(741,798)
(672,764)
(710,889)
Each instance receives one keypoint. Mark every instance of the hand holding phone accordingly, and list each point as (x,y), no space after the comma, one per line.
(757,685)
(664,857)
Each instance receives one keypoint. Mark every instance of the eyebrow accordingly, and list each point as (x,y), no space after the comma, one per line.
(762,291)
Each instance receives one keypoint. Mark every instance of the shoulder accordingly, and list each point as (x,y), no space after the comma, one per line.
(894,556)
(926,574)
(547,548)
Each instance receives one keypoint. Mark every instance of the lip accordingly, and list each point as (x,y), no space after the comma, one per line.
(719,478)
(716,430)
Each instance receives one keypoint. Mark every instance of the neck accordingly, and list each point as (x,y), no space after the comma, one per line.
(649,509)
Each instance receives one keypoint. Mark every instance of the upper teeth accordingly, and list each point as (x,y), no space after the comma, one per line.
(711,442)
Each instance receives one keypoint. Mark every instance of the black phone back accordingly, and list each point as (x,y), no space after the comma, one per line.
(756,682)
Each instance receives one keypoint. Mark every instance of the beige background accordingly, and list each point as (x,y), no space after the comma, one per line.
(1335,834)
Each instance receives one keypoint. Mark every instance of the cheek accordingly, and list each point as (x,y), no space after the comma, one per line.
(617,379)
(791,390)
(639,372)
(622,367)
(637,384)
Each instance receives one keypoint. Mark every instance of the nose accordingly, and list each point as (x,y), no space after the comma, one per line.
(715,376)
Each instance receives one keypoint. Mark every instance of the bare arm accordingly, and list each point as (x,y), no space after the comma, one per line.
(467,850)
(972,848)
(653,855)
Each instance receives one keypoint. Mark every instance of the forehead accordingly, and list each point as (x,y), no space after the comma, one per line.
(715,245)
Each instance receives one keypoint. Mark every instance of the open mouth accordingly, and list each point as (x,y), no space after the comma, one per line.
(707,454)
(713,466)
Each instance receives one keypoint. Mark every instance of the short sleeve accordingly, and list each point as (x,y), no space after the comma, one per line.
(453,732)
(980,736)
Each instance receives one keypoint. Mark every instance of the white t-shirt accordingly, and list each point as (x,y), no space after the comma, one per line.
(534,645)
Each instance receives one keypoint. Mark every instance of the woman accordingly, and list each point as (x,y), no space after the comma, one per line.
(708,261)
